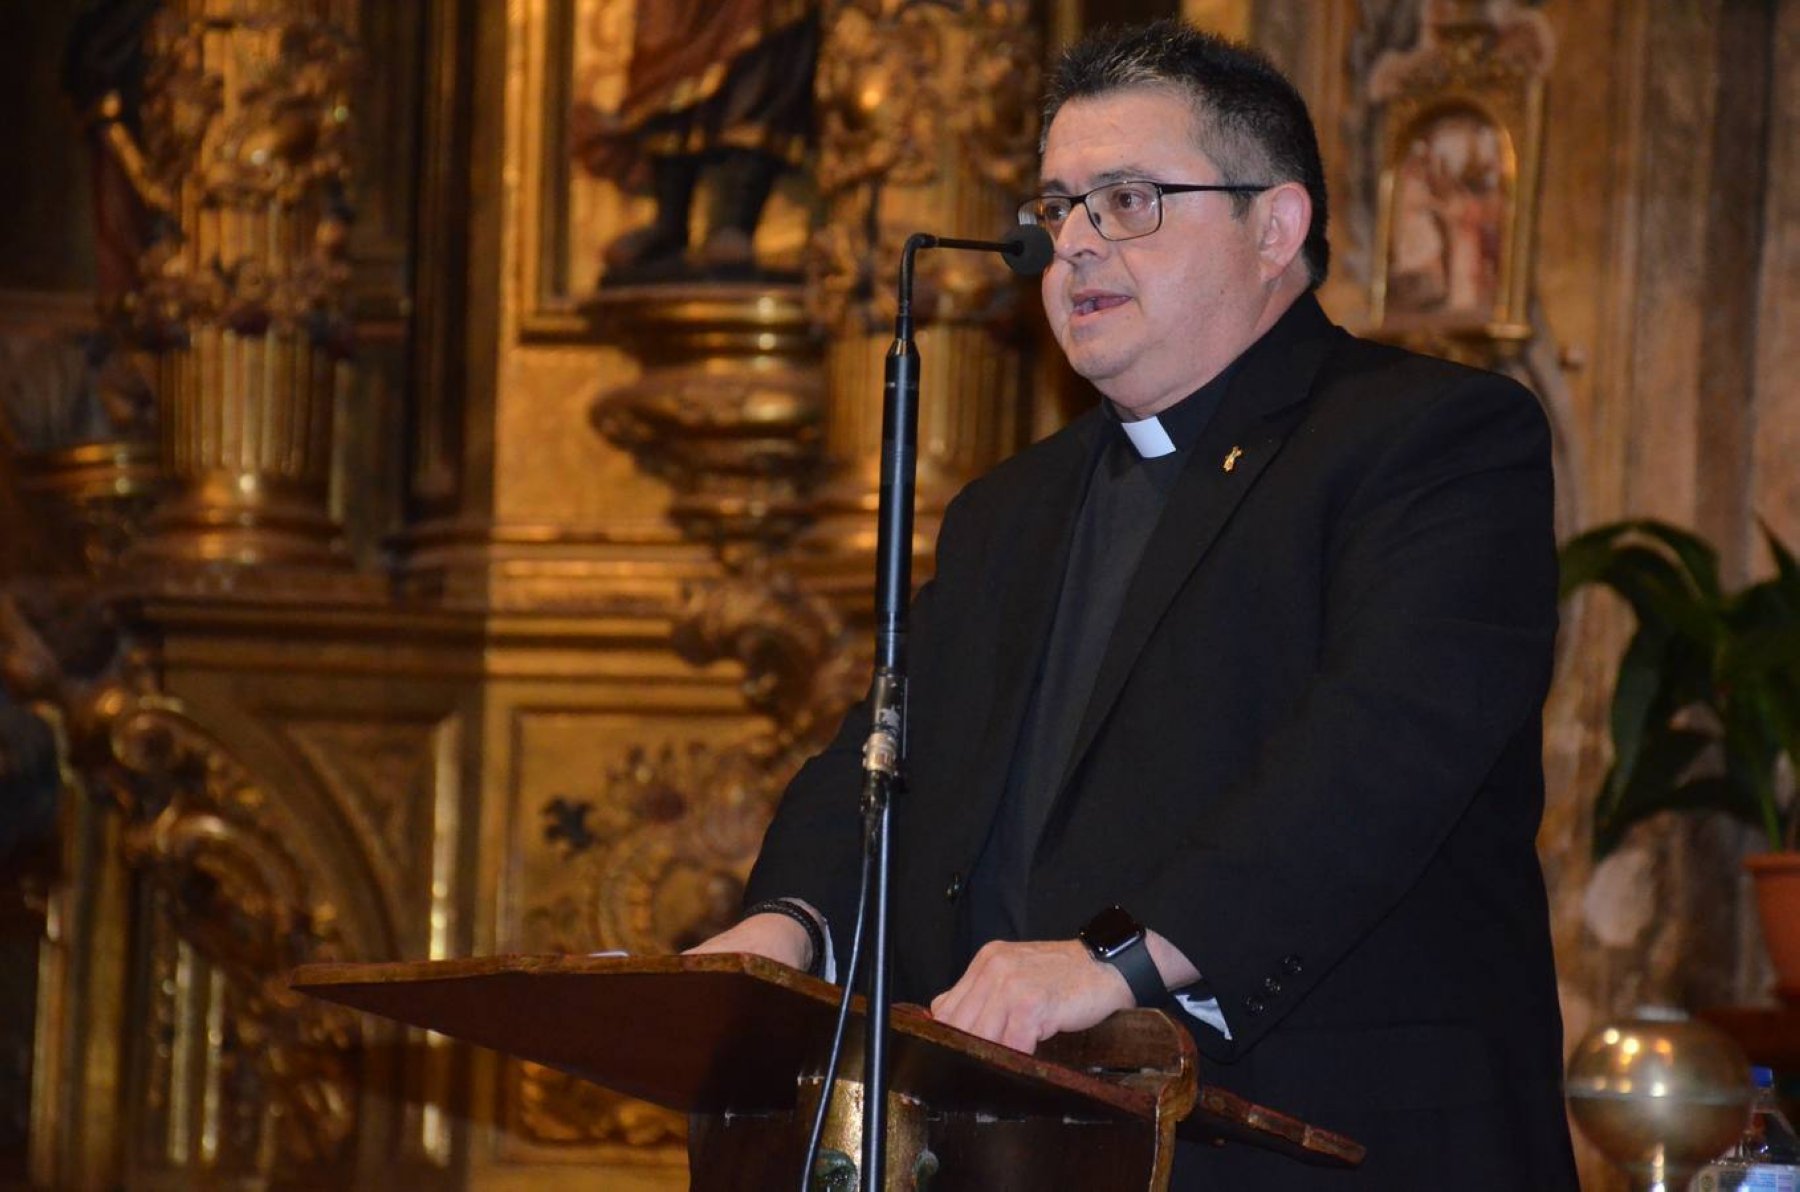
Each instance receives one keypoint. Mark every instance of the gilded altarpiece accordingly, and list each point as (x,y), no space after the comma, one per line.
(503,635)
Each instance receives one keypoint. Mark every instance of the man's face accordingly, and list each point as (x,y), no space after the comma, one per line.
(1149,320)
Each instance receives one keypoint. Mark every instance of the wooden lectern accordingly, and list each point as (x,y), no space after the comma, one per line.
(740,1043)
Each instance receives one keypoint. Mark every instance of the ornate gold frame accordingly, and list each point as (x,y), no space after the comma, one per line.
(1460,68)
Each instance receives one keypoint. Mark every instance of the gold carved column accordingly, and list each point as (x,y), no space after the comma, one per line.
(928,122)
(242,160)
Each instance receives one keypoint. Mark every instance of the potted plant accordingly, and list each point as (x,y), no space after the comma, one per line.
(1707,702)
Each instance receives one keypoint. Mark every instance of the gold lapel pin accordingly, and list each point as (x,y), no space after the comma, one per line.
(1232,457)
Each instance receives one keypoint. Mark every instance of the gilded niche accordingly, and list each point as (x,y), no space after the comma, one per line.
(1462,120)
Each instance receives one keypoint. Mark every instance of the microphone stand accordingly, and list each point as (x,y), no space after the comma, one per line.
(884,751)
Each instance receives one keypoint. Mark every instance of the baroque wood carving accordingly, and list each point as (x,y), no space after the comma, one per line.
(927,123)
(661,854)
(243,163)
(727,411)
(236,903)
(911,97)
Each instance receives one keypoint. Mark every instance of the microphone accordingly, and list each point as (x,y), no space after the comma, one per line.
(1026,248)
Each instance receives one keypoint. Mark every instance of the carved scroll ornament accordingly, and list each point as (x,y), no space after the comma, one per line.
(660,854)
(202,832)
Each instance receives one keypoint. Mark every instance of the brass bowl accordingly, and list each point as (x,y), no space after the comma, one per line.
(1659,1095)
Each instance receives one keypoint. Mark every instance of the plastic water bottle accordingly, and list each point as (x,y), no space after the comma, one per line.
(1778,1141)
(1766,1158)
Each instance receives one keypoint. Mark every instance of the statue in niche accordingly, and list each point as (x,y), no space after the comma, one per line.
(63,386)
(723,86)
(1449,208)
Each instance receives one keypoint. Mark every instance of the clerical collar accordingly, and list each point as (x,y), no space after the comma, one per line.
(1178,427)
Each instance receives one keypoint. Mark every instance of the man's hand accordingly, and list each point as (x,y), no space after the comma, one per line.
(1020,994)
(776,937)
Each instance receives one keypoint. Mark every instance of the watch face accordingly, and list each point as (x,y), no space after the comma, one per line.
(1111,932)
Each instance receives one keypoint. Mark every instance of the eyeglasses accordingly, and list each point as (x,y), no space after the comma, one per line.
(1119,210)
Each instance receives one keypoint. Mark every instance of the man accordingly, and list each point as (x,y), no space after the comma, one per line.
(1256,651)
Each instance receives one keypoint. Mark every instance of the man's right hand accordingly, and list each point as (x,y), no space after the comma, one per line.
(776,937)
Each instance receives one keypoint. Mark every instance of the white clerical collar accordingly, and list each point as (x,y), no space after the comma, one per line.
(1149,437)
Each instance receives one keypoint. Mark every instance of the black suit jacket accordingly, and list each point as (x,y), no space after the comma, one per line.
(1311,758)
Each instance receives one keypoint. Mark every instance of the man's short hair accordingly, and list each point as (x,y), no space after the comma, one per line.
(1252,121)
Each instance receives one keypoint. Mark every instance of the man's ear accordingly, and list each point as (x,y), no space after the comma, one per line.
(1285,214)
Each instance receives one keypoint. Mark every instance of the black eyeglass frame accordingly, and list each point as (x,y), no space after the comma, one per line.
(1029,219)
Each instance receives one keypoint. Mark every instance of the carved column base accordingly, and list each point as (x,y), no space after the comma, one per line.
(242,518)
(727,409)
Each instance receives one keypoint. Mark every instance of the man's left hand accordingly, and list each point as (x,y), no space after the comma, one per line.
(1020,994)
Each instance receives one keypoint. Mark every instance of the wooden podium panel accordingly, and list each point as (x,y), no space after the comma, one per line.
(705,1034)
(729,1039)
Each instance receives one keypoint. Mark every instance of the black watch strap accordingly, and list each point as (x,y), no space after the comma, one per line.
(1140,973)
(1114,937)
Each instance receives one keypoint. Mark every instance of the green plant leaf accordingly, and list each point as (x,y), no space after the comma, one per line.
(1783,688)
(1659,591)
(1784,700)
(1637,692)
(1765,646)
(1661,783)
(1752,743)
(1697,556)
(1703,669)
(1585,555)
(1787,569)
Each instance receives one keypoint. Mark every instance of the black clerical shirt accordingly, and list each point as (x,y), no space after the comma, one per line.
(1126,490)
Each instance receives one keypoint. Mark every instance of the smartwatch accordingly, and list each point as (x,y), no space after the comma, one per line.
(1114,937)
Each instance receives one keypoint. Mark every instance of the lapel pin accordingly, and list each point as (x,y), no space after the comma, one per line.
(1231,458)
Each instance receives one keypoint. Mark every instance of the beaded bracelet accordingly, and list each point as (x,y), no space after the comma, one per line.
(799,914)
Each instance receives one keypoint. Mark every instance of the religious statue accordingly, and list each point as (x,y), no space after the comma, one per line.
(719,85)
(1449,211)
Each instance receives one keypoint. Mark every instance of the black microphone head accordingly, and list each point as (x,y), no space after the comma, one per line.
(1027,249)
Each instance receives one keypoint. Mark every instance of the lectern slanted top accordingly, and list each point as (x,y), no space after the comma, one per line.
(733,1039)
